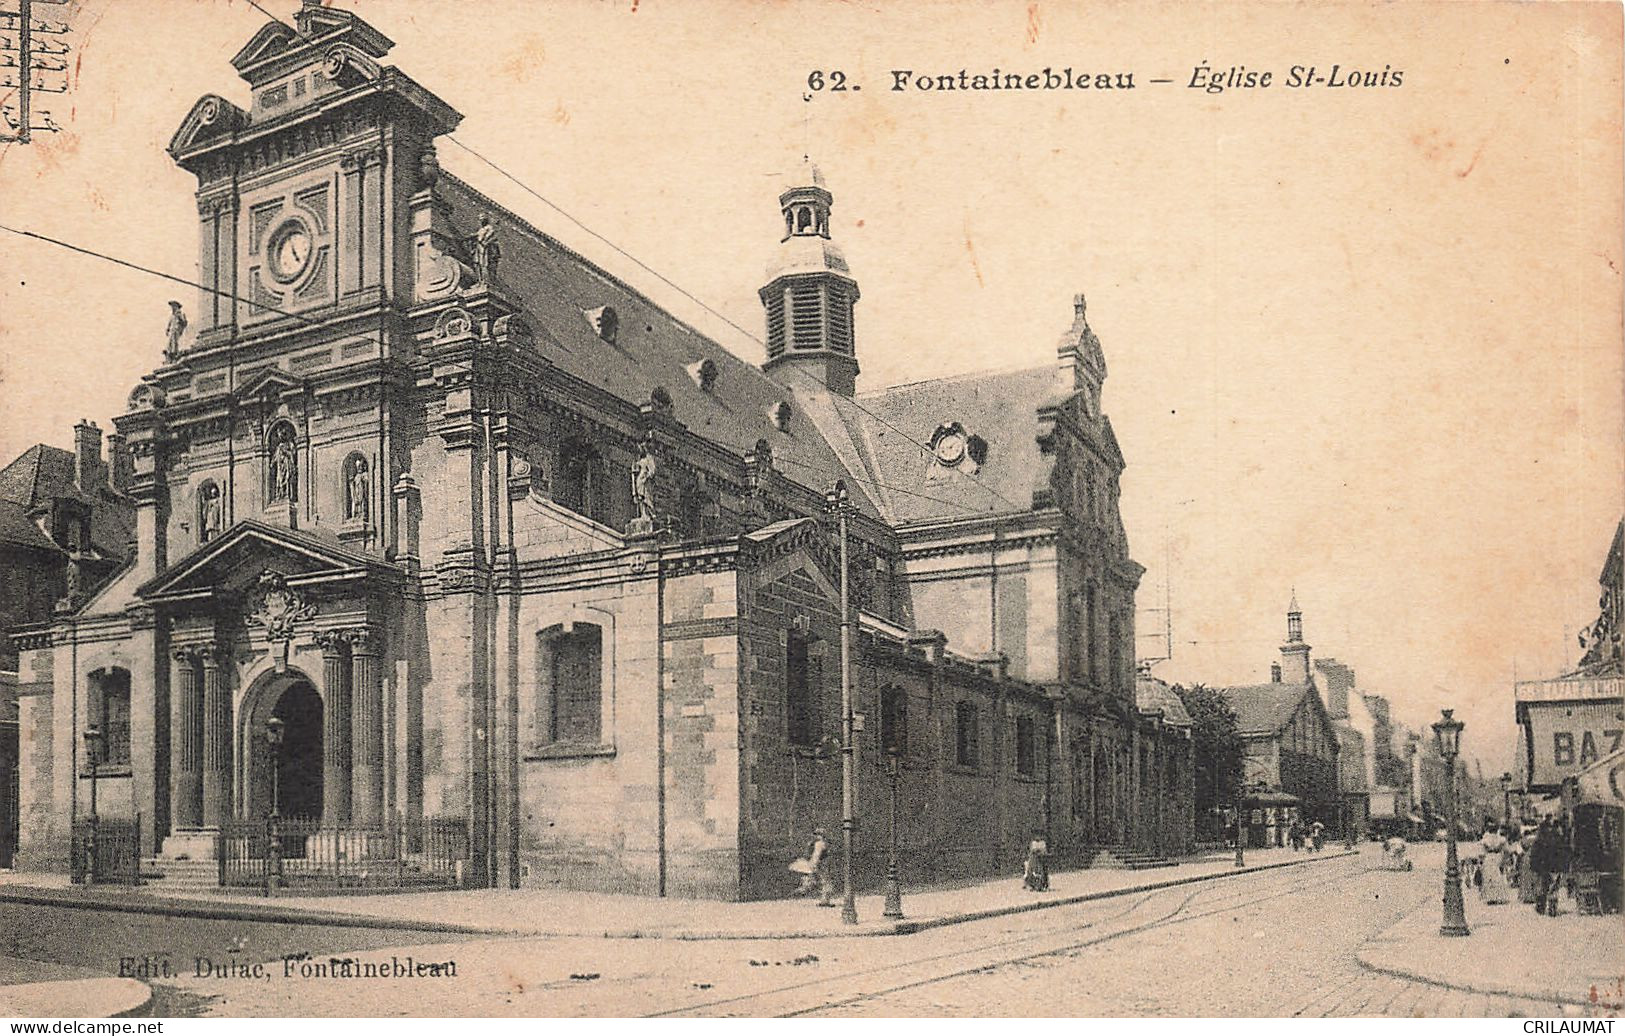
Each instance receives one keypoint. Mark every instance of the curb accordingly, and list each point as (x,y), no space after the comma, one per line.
(269,913)
(1364,953)
(214,910)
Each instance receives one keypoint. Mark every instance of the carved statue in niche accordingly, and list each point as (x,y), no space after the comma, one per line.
(643,477)
(487,250)
(357,487)
(209,512)
(284,465)
(172,333)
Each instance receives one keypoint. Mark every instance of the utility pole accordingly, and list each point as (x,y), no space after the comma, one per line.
(34,61)
(839,502)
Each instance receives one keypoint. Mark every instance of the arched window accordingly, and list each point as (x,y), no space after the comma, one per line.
(282,463)
(894,720)
(609,324)
(966,736)
(357,488)
(570,660)
(581,485)
(109,709)
(804,219)
(210,511)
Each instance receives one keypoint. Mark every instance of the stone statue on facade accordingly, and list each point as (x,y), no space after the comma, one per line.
(172,333)
(282,465)
(355,500)
(643,477)
(487,250)
(210,516)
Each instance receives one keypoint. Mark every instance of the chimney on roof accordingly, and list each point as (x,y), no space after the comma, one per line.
(87,456)
(1275,672)
(120,463)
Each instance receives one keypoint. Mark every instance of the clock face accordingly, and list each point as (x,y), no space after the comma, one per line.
(289,250)
(951,448)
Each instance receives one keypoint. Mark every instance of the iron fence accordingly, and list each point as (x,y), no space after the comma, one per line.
(301,852)
(106,851)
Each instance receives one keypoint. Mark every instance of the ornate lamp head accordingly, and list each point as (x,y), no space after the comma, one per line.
(1448,731)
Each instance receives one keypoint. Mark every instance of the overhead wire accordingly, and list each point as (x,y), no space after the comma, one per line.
(378,340)
(522,185)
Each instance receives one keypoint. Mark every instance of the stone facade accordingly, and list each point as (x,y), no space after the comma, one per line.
(501,541)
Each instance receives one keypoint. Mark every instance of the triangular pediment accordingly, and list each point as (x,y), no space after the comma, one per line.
(269,384)
(318,27)
(237,558)
(273,39)
(791,545)
(211,117)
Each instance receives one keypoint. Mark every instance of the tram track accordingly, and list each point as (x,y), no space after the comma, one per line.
(802,998)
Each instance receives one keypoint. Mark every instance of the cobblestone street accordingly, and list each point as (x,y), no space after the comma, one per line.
(1277,943)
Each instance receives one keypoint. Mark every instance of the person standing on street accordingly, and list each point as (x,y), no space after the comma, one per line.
(1492,878)
(818,856)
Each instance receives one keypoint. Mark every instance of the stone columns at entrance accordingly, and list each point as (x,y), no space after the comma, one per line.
(367,736)
(186,738)
(335,730)
(216,738)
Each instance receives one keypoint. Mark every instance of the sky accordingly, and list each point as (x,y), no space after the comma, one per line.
(1363,343)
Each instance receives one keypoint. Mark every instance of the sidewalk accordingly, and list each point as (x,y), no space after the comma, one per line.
(552,912)
(1512,951)
(76,998)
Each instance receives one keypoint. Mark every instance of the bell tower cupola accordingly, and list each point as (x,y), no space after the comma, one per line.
(810,294)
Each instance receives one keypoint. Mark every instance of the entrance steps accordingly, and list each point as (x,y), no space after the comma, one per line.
(158,874)
(1125,858)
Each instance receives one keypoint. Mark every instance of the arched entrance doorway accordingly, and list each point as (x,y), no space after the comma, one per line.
(291,698)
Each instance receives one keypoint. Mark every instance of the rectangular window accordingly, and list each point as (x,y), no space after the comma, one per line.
(575,669)
(965,734)
(801,671)
(894,721)
(1026,746)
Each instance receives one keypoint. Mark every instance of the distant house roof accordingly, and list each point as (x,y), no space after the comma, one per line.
(16,527)
(1152,695)
(1265,708)
(43,474)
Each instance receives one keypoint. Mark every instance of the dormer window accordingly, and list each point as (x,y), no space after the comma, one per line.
(609,324)
(779,413)
(704,374)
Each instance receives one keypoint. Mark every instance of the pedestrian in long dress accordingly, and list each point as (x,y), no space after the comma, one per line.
(1035,874)
(1528,880)
(1493,886)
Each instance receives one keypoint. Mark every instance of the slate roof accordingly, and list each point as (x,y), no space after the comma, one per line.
(557,288)
(42,474)
(1001,407)
(1154,695)
(18,528)
(1265,708)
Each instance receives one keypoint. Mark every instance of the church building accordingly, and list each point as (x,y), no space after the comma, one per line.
(493,542)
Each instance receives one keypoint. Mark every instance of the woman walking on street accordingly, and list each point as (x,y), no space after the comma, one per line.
(1493,887)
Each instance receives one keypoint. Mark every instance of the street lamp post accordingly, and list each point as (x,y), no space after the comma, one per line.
(273,869)
(837,502)
(1448,731)
(93,744)
(1241,799)
(1506,800)
(894,889)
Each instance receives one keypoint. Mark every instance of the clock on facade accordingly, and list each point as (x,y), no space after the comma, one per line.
(289,250)
(951,448)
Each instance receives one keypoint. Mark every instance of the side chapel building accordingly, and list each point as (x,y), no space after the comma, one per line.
(502,542)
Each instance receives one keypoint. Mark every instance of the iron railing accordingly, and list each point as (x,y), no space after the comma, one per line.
(300,852)
(117,851)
